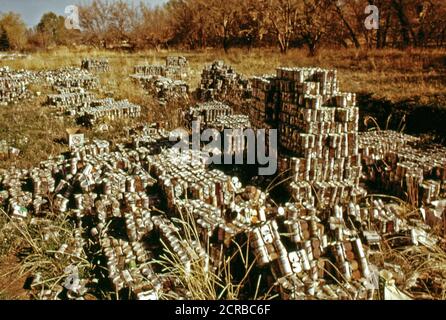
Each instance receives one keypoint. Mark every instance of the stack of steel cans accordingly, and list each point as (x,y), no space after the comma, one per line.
(176,68)
(221,82)
(150,137)
(66,102)
(70,79)
(403,165)
(7,151)
(209,112)
(11,56)
(149,70)
(107,109)
(262,107)
(95,65)
(318,133)
(13,86)
(236,121)
(162,88)
(137,201)
(188,171)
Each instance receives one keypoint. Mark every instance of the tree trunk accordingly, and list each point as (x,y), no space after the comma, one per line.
(225,41)
(406,28)
(203,39)
(312,46)
(283,49)
(442,37)
(383,43)
(313,50)
(282,44)
(349,28)
(4,41)
(226,44)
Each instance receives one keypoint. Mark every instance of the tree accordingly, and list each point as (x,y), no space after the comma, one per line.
(51,29)
(12,31)
(344,11)
(122,20)
(432,24)
(224,15)
(386,21)
(4,41)
(283,17)
(94,21)
(312,20)
(407,31)
(253,21)
(190,22)
(153,30)
(196,24)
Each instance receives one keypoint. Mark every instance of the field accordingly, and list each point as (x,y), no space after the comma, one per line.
(386,81)
(406,77)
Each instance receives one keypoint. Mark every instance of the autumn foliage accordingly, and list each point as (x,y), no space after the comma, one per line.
(200,24)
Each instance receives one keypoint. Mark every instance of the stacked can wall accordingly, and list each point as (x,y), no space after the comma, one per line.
(318,132)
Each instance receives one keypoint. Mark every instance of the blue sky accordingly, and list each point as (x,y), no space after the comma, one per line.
(32,10)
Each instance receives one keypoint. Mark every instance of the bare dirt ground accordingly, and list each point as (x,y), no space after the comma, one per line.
(11,286)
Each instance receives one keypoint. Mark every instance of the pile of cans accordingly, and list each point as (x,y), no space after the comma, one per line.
(236,121)
(114,188)
(126,200)
(401,164)
(13,86)
(88,111)
(71,252)
(224,125)
(164,82)
(219,205)
(318,132)
(11,56)
(127,268)
(220,82)
(95,65)
(188,252)
(434,215)
(66,102)
(92,181)
(162,88)
(177,61)
(294,243)
(7,151)
(152,137)
(176,68)
(188,168)
(149,70)
(115,195)
(208,112)
(262,108)
(108,109)
(323,245)
(70,79)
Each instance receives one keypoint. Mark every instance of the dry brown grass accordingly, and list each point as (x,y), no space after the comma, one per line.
(30,250)
(40,129)
(422,270)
